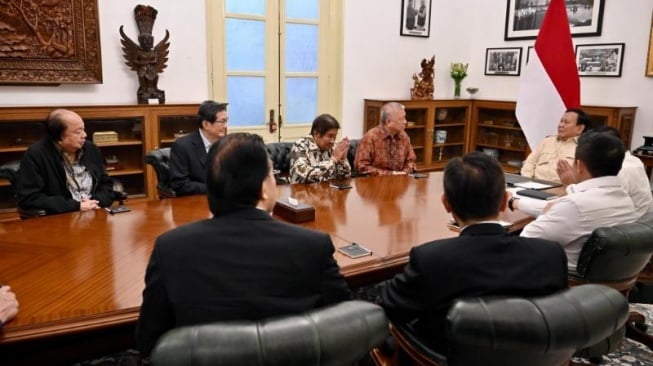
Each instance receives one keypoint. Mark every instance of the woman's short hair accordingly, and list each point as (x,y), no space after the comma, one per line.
(237,166)
(323,123)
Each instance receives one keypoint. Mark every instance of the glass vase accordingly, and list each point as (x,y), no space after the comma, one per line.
(456,90)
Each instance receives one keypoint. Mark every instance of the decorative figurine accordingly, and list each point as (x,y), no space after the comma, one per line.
(147,62)
(423,83)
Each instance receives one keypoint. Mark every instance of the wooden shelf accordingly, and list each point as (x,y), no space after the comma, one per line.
(139,128)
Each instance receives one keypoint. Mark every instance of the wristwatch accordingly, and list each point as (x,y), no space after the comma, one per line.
(510,202)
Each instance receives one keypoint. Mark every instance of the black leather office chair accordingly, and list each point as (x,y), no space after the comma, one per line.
(351,154)
(538,331)
(615,256)
(341,334)
(279,153)
(159,159)
(9,171)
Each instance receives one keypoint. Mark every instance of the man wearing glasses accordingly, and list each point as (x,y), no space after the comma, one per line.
(188,154)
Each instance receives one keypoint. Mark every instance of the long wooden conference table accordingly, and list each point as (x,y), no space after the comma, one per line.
(79,276)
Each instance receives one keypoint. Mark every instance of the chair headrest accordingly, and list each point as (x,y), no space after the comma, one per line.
(280,155)
(9,170)
(336,335)
(554,325)
(616,253)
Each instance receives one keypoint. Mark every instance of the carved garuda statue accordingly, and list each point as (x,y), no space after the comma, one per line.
(423,83)
(147,62)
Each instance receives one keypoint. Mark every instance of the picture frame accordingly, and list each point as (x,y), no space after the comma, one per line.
(649,59)
(524,18)
(601,60)
(503,61)
(415,18)
(528,53)
(57,44)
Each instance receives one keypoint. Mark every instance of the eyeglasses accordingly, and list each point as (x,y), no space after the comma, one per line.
(222,121)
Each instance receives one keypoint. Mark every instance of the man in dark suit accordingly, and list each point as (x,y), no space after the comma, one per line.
(483,260)
(242,264)
(188,154)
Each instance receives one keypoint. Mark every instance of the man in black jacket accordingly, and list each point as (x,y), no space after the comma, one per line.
(242,264)
(63,172)
(483,260)
(188,154)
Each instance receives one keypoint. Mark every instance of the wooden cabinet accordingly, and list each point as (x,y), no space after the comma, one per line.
(139,128)
(495,131)
(479,125)
(438,129)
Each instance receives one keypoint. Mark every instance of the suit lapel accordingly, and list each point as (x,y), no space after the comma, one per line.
(199,149)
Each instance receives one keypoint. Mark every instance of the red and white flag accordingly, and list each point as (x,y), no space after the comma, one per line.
(550,83)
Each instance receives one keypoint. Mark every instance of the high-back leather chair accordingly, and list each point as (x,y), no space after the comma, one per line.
(351,154)
(539,331)
(9,171)
(279,153)
(159,159)
(340,334)
(614,256)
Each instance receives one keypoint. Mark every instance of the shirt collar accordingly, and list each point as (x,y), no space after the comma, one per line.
(207,144)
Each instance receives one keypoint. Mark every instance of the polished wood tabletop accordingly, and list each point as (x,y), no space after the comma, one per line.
(85,270)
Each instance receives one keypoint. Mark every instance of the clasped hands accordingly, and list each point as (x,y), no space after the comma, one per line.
(88,204)
(340,150)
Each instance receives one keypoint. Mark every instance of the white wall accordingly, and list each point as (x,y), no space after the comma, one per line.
(184,80)
(378,63)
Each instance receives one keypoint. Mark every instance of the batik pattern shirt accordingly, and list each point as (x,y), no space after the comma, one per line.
(381,153)
(309,164)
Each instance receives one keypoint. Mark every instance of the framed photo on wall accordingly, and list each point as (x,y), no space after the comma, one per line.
(503,61)
(415,18)
(524,18)
(600,59)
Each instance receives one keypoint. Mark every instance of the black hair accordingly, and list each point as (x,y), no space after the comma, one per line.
(207,111)
(608,130)
(237,166)
(323,123)
(474,186)
(602,154)
(583,118)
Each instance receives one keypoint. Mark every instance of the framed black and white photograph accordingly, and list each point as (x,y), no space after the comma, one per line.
(524,18)
(600,59)
(503,61)
(415,18)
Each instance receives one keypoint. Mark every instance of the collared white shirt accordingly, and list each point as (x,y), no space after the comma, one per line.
(634,181)
(588,205)
(207,144)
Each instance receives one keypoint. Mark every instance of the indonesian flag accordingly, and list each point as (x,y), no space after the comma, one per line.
(550,83)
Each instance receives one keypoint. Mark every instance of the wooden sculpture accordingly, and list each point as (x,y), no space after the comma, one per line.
(147,62)
(423,83)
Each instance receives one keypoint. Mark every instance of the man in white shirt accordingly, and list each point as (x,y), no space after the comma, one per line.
(632,176)
(598,200)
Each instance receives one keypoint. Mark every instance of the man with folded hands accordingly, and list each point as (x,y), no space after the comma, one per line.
(597,200)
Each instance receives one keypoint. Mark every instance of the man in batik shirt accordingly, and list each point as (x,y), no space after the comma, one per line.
(385,149)
(316,157)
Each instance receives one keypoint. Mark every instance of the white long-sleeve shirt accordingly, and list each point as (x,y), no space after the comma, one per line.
(594,203)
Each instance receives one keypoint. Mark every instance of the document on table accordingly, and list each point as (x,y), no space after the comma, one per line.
(533,185)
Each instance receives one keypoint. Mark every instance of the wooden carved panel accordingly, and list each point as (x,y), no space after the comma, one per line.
(49,42)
